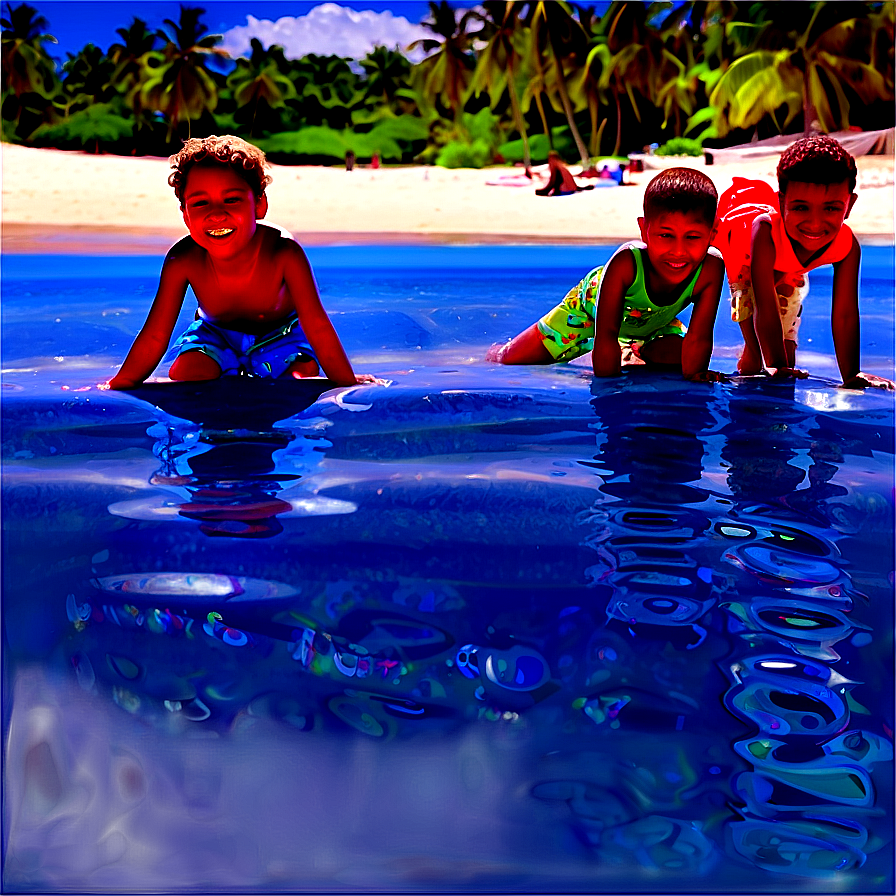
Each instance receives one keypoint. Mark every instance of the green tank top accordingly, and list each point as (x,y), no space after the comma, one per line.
(568,329)
(640,316)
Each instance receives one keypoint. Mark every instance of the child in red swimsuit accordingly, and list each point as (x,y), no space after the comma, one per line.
(770,241)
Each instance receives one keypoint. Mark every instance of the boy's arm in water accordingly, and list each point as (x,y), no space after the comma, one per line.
(314,319)
(766,317)
(696,349)
(606,356)
(845,322)
(152,340)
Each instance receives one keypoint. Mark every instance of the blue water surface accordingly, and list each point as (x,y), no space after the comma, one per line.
(485,629)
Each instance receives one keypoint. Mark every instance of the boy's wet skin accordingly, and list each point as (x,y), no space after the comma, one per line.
(259,309)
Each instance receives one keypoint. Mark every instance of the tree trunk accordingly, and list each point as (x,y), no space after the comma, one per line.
(567,109)
(518,119)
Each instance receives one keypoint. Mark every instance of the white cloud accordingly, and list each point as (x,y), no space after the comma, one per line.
(328,29)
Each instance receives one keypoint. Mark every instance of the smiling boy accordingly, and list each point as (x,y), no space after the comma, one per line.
(633,301)
(259,311)
(770,242)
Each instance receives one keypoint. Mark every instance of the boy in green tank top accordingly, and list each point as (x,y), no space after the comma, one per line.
(633,300)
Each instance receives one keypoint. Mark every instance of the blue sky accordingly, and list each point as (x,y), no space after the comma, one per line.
(312,26)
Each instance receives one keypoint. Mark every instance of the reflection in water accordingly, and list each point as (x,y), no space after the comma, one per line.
(229,472)
(455,639)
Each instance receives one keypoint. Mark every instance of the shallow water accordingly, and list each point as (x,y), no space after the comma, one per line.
(486,629)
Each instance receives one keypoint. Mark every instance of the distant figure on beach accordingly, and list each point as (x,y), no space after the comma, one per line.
(259,312)
(349,160)
(560,180)
(632,302)
(375,161)
(771,241)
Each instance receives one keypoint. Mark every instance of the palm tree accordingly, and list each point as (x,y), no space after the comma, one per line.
(29,79)
(328,91)
(258,82)
(27,67)
(500,61)
(129,59)
(178,83)
(446,74)
(560,39)
(387,72)
(89,78)
(808,68)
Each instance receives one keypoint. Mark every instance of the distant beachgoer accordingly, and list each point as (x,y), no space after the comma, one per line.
(632,302)
(560,180)
(375,161)
(349,160)
(771,241)
(259,309)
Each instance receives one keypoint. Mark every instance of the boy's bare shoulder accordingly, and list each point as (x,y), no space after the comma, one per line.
(714,263)
(184,251)
(622,265)
(278,240)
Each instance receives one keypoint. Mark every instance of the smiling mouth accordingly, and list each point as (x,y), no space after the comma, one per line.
(221,231)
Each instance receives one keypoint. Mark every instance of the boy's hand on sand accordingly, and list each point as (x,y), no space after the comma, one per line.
(708,376)
(365,379)
(863,380)
(787,373)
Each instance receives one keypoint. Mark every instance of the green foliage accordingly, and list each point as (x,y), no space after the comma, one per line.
(539,146)
(680,146)
(95,127)
(460,154)
(636,74)
(323,145)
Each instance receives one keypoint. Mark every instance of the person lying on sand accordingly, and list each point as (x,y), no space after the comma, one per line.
(259,313)
(560,179)
(633,301)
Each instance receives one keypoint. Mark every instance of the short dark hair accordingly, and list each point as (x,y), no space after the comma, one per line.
(816,160)
(681,190)
(246,160)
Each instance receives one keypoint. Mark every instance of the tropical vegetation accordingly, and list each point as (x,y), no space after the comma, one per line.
(502,81)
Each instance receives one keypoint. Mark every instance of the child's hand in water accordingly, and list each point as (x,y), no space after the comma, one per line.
(862,380)
(369,379)
(496,352)
(787,373)
(708,376)
(117,382)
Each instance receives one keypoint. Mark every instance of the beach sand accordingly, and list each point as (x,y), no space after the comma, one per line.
(55,201)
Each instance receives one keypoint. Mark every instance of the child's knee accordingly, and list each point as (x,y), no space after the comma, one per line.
(194,366)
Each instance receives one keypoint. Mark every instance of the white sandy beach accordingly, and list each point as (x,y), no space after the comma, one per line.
(73,201)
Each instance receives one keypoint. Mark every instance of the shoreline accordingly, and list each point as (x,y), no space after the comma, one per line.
(65,202)
(101,240)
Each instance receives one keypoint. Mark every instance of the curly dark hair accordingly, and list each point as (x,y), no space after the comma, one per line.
(681,190)
(246,160)
(816,160)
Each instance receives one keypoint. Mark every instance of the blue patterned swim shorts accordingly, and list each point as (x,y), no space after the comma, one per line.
(267,354)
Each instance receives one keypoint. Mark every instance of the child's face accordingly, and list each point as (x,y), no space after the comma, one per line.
(220,209)
(677,243)
(814,213)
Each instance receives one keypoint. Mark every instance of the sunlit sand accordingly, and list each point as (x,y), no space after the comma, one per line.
(72,201)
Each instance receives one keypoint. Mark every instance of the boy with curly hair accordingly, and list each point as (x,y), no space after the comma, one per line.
(631,304)
(259,312)
(771,241)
